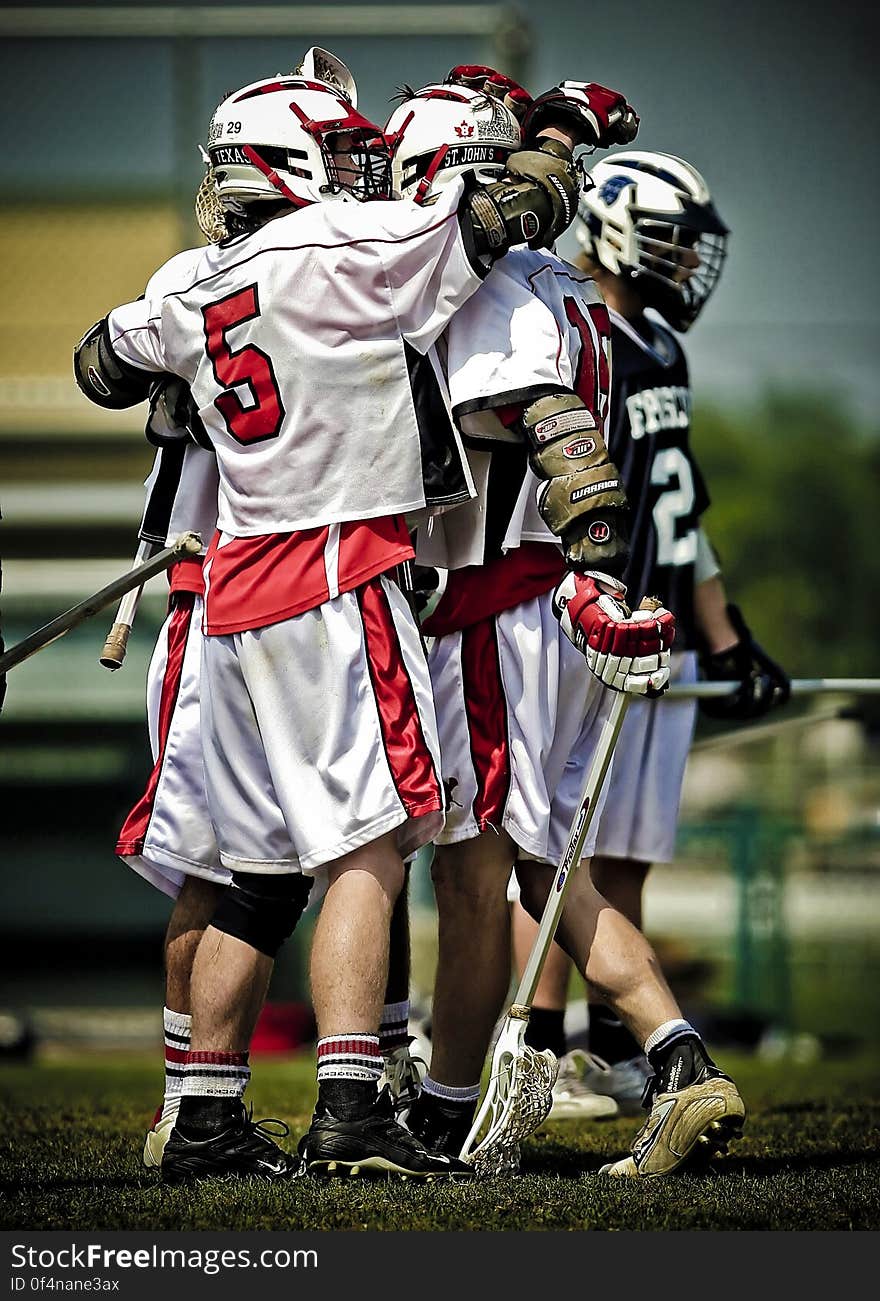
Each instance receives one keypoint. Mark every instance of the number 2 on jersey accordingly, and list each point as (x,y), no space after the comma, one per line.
(672,505)
(248,366)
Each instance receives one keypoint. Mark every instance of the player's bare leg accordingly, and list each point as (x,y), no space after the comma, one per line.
(695,1108)
(229,984)
(349,964)
(473,960)
(471,983)
(620,1068)
(573,1098)
(402,1071)
(213,1133)
(192,912)
(615,959)
(621,881)
(354,1128)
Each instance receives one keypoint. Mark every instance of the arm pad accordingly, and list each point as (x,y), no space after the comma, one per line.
(105,378)
(533,205)
(583,500)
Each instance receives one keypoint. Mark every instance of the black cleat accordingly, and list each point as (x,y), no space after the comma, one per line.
(242,1149)
(441,1129)
(375,1143)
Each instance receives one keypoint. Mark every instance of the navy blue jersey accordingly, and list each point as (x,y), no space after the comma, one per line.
(650,445)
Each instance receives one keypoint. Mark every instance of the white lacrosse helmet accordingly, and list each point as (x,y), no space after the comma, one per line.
(275,139)
(644,219)
(443,131)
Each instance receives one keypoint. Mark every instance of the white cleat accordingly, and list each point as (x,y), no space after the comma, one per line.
(623,1081)
(573,1099)
(157,1135)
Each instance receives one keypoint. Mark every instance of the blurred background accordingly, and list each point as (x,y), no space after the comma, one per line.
(769,917)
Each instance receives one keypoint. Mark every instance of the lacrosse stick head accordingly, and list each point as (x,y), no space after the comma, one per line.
(518,1099)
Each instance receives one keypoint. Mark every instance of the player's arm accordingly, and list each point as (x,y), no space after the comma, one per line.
(538,201)
(533,204)
(581,497)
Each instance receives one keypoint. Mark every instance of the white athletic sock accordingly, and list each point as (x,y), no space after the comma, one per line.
(215,1075)
(469,1093)
(668,1030)
(178,1031)
(353,1056)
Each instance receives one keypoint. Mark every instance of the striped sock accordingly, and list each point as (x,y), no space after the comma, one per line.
(178,1030)
(349,1067)
(349,1057)
(394,1026)
(214,1075)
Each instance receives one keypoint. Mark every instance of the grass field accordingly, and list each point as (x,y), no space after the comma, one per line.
(810,1159)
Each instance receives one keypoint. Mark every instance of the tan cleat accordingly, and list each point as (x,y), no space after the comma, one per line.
(697,1121)
(157,1134)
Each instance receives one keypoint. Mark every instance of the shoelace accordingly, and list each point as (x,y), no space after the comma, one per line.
(263,1127)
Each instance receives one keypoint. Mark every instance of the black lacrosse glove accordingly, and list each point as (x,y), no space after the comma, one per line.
(763,683)
(174,414)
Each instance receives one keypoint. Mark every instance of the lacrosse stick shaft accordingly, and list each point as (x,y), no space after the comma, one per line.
(188,544)
(580,826)
(116,642)
(799,687)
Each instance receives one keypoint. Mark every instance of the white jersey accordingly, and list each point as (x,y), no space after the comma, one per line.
(292,342)
(536,325)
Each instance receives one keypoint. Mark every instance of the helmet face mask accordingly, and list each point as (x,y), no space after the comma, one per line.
(443,131)
(649,218)
(293,141)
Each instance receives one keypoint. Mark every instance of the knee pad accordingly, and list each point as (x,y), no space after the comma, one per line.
(262,910)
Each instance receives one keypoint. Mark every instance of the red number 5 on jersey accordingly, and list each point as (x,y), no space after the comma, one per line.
(248,366)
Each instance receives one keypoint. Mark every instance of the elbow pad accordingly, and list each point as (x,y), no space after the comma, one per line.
(105,378)
(533,205)
(582,499)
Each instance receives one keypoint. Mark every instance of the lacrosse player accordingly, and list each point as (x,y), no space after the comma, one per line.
(319,738)
(528,367)
(652,238)
(168,837)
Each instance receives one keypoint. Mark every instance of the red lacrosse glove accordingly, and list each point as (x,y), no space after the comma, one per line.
(628,651)
(477,76)
(600,117)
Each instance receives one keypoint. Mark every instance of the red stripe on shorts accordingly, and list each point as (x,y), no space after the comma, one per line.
(409,759)
(486,710)
(134,829)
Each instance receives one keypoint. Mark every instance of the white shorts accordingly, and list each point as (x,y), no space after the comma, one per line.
(519,714)
(168,834)
(641,816)
(319,734)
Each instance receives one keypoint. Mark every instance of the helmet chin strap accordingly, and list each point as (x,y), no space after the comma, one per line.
(424,185)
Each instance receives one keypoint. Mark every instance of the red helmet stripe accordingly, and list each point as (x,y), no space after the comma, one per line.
(272,176)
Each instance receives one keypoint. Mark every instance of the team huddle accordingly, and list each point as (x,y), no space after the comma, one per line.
(452,511)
